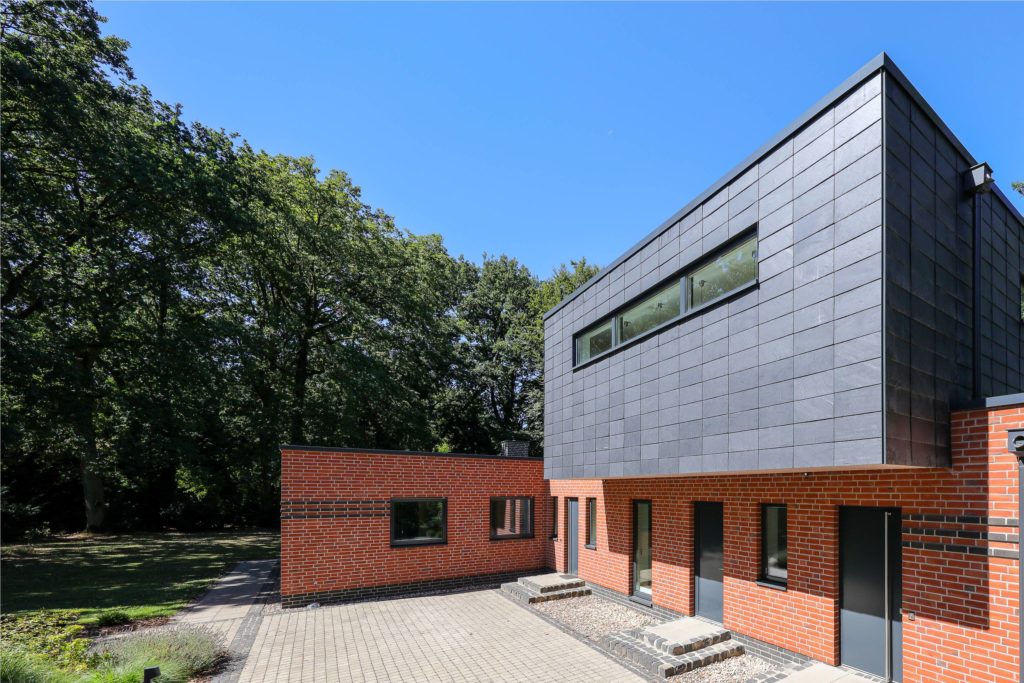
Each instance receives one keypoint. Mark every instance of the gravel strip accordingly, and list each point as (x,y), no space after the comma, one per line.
(735,670)
(594,616)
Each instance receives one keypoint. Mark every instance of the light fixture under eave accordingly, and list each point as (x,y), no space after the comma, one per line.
(978,179)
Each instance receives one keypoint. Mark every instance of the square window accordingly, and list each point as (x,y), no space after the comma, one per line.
(594,342)
(419,521)
(511,518)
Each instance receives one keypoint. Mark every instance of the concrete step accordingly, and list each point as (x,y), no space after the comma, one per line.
(634,647)
(550,583)
(528,595)
(684,635)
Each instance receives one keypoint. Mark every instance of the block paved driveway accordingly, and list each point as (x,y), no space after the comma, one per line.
(473,636)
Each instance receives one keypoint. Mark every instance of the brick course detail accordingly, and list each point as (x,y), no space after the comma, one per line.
(336,522)
(960,551)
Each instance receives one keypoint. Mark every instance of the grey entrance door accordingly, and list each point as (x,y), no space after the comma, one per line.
(572,523)
(871,630)
(708,561)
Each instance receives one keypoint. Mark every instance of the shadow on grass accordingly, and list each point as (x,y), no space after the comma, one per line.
(145,574)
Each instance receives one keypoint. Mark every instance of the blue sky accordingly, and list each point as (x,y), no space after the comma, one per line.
(554,131)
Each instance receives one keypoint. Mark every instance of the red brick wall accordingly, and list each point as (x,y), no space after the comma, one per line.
(335,518)
(964,605)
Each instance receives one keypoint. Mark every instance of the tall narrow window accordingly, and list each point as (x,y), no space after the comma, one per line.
(419,521)
(591,523)
(774,544)
(511,518)
(554,517)
(727,272)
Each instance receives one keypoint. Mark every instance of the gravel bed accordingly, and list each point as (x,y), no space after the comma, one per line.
(735,670)
(594,616)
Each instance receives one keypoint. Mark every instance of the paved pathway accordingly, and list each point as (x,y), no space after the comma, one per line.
(225,606)
(473,636)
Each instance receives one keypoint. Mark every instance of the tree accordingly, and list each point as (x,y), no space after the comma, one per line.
(108,199)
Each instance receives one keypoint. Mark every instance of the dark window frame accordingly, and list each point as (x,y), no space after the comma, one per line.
(763,576)
(554,517)
(686,310)
(490,522)
(591,540)
(400,543)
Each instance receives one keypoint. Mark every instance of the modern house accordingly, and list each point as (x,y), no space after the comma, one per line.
(794,409)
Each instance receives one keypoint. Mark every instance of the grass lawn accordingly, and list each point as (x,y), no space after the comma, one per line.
(139,575)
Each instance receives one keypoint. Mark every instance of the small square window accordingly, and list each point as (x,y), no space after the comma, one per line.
(774,544)
(419,521)
(511,518)
(591,523)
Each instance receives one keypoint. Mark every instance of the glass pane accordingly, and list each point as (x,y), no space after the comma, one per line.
(775,543)
(642,551)
(511,517)
(554,517)
(419,520)
(650,313)
(731,270)
(597,340)
(592,521)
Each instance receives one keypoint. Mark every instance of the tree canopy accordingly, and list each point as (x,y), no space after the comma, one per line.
(176,304)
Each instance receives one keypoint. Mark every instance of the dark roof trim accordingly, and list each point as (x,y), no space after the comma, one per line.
(384,451)
(992,402)
(880,62)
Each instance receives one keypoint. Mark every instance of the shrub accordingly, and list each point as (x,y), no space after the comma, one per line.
(50,634)
(112,617)
(181,652)
(18,666)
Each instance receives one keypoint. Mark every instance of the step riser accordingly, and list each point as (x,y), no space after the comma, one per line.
(523,594)
(575,593)
(665,665)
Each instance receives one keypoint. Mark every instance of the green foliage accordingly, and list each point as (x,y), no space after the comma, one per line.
(181,652)
(112,617)
(54,635)
(18,666)
(176,304)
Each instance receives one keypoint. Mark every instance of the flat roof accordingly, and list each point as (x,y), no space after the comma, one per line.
(879,63)
(385,451)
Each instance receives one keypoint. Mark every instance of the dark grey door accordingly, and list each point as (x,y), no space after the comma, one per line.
(572,523)
(709,544)
(871,630)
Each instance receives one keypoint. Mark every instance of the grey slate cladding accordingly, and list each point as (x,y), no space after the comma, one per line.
(857,338)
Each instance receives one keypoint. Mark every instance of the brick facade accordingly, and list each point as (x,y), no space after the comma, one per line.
(959,541)
(335,521)
(960,570)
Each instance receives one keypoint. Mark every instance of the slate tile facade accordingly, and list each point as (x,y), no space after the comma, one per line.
(857,337)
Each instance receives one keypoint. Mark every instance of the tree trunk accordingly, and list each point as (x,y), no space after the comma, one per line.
(95,500)
(92,483)
(297,433)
